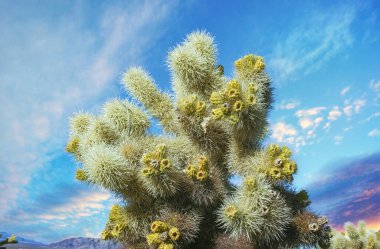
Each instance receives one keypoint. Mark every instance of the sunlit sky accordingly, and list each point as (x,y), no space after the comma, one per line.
(59,57)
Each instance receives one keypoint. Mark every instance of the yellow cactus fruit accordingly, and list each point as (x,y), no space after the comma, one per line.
(115,212)
(174,233)
(160,150)
(252,88)
(230,211)
(200,107)
(259,64)
(216,98)
(290,168)
(286,152)
(274,150)
(72,145)
(203,163)
(148,171)
(201,175)
(245,63)
(158,226)
(275,173)
(217,113)
(166,246)
(191,171)
(165,164)
(238,106)
(250,182)
(187,105)
(233,93)
(234,118)
(80,175)
(233,84)
(153,239)
(251,100)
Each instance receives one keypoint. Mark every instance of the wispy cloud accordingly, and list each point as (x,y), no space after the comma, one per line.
(374,133)
(375,86)
(372,116)
(288,104)
(353,106)
(335,113)
(345,90)
(311,44)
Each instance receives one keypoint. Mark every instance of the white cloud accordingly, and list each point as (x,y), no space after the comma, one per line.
(373,133)
(288,105)
(348,110)
(354,106)
(334,114)
(84,204)
(372,116)
(345,90)
(358,104)
(313,42)
(309,112)
(375,86)
(305,123)
(282,132)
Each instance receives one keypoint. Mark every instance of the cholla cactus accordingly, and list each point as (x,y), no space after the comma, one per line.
(10,240)
(355,237)
(175,186)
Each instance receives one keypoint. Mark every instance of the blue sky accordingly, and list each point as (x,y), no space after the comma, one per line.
(58,57)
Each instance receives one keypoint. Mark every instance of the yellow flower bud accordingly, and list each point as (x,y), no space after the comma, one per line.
(191,171)
(251,100)
(233,93)
(73,145)
(286,152)
(148,171)
(290,168)
(174,233)
(80,175)
(201,175)
(203,163)
(158,226)
(200,107)
(165,164)
(231,211)
(259,64)
(233,84)
(275,172)
(166,246)
(217,113)
(250,182)
(153,239)
(238,106)
(234,118)
(252,88)
(216,98)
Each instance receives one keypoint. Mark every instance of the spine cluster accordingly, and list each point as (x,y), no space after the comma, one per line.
(175,186)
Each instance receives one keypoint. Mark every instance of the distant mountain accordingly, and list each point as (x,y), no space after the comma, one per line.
(72,243)
(84,243)
(20,239)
